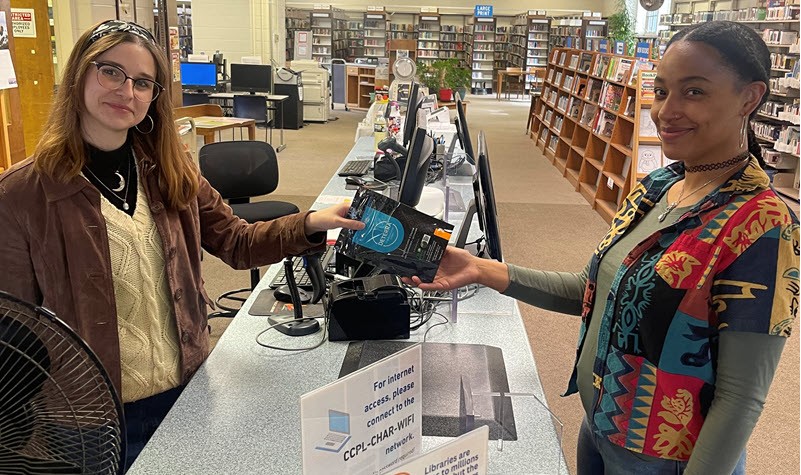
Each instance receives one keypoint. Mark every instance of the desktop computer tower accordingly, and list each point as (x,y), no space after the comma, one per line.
(293,107)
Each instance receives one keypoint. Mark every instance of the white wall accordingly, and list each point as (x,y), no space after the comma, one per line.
(224,25)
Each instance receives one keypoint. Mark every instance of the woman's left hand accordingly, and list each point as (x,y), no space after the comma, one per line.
(331,218)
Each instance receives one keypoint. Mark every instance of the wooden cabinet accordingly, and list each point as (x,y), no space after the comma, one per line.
(361,86)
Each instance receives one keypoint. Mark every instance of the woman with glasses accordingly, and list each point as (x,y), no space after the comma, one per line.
(104,224)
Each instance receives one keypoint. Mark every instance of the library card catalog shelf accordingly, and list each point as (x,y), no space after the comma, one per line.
(594,126)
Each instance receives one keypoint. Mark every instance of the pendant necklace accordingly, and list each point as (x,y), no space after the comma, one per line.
(121,187)
(671,206)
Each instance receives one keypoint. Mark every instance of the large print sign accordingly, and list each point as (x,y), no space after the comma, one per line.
(367,421)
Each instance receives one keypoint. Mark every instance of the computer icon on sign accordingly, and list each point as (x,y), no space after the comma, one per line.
(338,432)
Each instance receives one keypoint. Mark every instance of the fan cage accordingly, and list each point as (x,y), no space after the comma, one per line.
(59,412)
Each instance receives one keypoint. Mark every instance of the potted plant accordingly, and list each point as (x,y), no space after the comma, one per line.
(442,76)
(459,79)
(621,26)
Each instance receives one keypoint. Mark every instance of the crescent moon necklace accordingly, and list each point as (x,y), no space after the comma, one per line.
(121,187)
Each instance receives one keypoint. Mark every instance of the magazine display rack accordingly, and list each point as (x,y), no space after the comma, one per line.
(586,123)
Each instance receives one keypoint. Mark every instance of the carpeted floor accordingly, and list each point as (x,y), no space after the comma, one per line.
(544,224)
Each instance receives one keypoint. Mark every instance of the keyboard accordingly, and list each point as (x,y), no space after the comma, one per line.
(336,438)
(355,168)
(301,276)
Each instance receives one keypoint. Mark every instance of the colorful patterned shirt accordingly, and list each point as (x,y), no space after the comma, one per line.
(729,264)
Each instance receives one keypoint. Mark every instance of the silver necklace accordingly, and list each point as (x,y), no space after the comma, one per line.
(670,207)
(124,198)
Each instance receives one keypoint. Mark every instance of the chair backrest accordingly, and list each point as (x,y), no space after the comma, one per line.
(199,110)
(539,80)
(250,106)
(513,70)
(240,168)
(195,98)
(188,135)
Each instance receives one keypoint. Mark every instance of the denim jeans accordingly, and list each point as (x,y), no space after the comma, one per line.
(142,418)
(597,456)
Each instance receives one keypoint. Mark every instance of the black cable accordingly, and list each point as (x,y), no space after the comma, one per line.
(324,332)
(436,324)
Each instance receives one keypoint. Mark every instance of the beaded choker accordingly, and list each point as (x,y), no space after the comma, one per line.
(717,166)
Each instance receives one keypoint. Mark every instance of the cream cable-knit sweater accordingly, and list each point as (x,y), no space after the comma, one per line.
(148,334)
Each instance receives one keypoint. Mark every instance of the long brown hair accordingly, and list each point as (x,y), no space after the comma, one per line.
(61,151)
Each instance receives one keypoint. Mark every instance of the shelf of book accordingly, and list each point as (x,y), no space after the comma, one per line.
(481,35)
(296,20)
(586,123)
(375,35)
(428,37)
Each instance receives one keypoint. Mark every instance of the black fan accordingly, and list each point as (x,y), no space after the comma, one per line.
(59,412)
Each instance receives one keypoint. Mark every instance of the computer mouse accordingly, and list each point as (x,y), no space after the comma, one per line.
(355,180)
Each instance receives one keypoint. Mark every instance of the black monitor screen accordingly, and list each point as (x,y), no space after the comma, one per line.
(485,201)
(462,132)
(199,76)
(251,78)
(410,124)
(414,173)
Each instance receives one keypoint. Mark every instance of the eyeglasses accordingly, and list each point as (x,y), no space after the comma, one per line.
(111,77)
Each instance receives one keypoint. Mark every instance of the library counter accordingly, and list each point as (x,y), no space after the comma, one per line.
(241,411)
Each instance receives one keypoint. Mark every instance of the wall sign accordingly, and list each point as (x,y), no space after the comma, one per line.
(643,50)
(483,11)
(23,23)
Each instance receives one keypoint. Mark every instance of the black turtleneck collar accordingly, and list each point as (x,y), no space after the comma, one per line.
(101,170)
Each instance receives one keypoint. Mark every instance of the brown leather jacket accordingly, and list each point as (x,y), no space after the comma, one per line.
(55,254)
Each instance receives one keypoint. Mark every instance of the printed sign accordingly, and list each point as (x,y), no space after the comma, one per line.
(366,422)
(464,455)
(620,47)
(483,11)
(23,22)
(8,78)
(643,50)
(603,46)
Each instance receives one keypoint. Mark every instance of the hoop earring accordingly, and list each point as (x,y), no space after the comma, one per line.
(658,134)
(744,132)
(152,125)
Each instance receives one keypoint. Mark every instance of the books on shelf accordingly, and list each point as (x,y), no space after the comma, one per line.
(593,90)
(588,114)
(639,65)
(611,96)
(618,68)
(605,124)
(579,86)
(647,85)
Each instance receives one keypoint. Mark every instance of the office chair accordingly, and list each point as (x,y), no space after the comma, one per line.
(240,170)
(195,98)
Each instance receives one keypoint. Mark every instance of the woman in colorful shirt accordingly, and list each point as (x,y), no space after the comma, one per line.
(687,302)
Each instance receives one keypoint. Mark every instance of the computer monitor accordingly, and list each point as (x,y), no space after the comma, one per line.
(485,201)
(462,133)
(410,123)
(251,78)
(199,76)
(418,161)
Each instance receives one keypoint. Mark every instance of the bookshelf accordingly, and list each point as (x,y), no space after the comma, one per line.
(296,20)
(340,36)
(503,48)
(537,32)
(482,54)
(428,45)
(401,27)
(452,38)
(185,29)
(585,124)
(322,28)
(355,37)
(375,35)
(578,32)
(776,123)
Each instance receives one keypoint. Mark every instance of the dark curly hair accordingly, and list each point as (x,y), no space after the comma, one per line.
(743,51)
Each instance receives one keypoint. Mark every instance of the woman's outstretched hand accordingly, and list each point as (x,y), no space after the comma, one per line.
(457,269)
(331,218)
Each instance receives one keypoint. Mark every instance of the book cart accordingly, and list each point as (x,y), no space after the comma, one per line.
(586,123)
